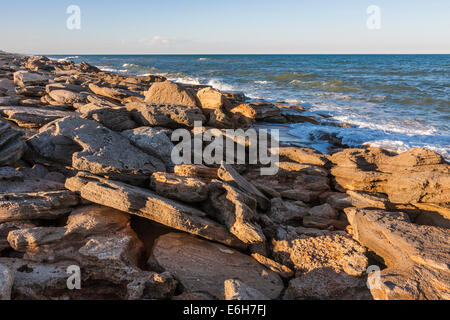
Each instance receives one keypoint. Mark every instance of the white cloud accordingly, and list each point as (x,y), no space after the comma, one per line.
(155,41)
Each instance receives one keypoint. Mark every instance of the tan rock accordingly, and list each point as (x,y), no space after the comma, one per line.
(28,117)
(148,205)
(6,282)
(417,256)
(198,171)
(88,146)
(336,251)
(169,93)
(236,210)
(165,115)
(303,155)
(270,264)
(203,267)
(12,147)
(236,290)
(67,97)
(229,175)
(186,189)
(114,118)
(26,78)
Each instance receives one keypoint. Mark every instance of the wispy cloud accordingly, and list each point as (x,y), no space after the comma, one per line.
(155,41)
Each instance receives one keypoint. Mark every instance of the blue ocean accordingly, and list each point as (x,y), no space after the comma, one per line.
(394,101)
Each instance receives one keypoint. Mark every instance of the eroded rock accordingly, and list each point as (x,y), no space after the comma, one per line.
(203,267)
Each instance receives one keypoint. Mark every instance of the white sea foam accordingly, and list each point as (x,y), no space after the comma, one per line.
(215,83)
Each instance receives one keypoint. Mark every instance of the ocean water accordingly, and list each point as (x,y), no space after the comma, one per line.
(394,101)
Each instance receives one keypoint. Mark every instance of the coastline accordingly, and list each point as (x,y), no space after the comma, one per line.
(85,156)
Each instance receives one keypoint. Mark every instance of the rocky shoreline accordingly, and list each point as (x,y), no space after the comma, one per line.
(86,179)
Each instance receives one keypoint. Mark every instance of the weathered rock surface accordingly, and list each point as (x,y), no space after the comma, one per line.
(67,97)
(154,141)
(287,212)
(203,267)
(303,155)
(229,175)
(294,181)
(27,78)
(148,205)
(29,117)
(113,93)
(114,118)
(170,93)
(236,210)
(6,282)
(236,290)
(185,189)
(100,240)
(329,266)
(418,175)
(417,256)
(325,284)
(88,146)
(165,115)
(12,147)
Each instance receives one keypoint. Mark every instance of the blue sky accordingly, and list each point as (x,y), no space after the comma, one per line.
(232,26)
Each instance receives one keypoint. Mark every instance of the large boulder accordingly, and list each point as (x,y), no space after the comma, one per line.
(203,267)
(417,257)
(329,266)
(149,205)
(416,176)
(88,146)
(170,93)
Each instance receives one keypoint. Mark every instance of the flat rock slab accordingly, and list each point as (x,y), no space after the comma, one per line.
(29,117)
(88,146)
(41,205)
(148,205)
(417,257)
(204,267)
(165,115)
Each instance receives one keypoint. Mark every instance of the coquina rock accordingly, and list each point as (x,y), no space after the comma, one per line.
(113,93)
(185,189)
(236,210)
(203,267)
(165,115)
(6,282)
(148,205)
(417,257)
(30,117)
(170,93)
(12,147)
(416,176)
(114,118)
(27,78)
(329,266)
(88,146)
(294,181)
(154,141)
(99,240)
(239,291)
